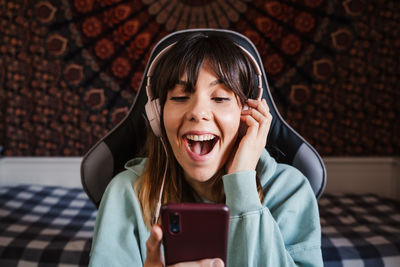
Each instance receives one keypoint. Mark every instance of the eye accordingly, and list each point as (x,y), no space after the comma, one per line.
(221,99)
(179,98)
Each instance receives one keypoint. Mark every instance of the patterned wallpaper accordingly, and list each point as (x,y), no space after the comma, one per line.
(69,70)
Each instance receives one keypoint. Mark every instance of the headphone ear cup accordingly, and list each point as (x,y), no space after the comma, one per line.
(153,113)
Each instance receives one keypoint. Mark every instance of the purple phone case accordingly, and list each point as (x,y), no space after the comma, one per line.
(203,232)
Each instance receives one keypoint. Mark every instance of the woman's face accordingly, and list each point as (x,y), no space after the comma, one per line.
(202,126)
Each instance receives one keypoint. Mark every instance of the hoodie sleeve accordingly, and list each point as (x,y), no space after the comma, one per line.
(119,235)
(282,231)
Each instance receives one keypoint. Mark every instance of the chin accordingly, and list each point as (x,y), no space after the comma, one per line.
(200,176)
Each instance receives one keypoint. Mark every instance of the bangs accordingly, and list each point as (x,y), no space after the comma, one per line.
(185,59)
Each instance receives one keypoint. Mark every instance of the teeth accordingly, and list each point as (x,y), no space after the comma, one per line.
(204,137)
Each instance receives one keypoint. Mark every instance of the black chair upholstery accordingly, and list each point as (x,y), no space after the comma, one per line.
(125,141)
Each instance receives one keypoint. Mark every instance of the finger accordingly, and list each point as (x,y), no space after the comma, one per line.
(252,124)
(261,118)
(260,105)
(153,245)
(258,124)
(201,263)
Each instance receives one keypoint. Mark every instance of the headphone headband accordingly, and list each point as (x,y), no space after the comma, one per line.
(152,67)
(257,70)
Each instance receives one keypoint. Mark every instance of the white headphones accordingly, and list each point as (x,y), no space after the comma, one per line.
(153,107)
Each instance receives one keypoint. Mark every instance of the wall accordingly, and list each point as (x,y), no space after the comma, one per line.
(69,70)
(379,176)
(363,175)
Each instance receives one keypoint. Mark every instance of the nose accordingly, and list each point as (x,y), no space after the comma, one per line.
(198,110)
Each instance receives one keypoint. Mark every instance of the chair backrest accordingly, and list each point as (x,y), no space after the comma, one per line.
(126,140)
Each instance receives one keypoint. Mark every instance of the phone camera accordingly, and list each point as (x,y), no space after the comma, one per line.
(174,223)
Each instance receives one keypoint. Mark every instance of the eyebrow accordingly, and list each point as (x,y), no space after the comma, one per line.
(213,83)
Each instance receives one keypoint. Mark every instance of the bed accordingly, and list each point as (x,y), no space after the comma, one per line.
(360,230)
(45,226)
(52,226)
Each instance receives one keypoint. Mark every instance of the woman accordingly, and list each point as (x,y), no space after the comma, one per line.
(212,150)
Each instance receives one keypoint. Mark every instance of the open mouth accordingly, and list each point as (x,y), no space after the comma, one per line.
(201,144)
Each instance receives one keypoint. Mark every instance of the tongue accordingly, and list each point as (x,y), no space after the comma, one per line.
(201,148)
(196,147)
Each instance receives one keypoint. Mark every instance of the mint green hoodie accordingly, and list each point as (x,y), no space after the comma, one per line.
(282,231)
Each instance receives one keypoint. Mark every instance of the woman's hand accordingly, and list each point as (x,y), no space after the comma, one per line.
(154,257)
(258,121)
(153,248)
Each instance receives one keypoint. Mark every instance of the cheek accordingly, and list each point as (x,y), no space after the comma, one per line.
(171,121)
(167,122)
(231,122)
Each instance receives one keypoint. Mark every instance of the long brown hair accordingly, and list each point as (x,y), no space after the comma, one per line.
(233,68)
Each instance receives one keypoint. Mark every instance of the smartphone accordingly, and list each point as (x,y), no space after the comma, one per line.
(194,231)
